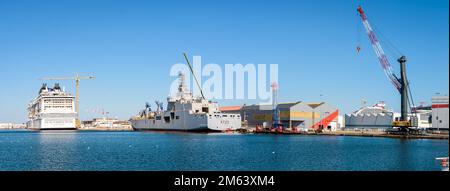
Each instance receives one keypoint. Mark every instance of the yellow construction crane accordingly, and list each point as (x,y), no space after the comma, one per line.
(77,79)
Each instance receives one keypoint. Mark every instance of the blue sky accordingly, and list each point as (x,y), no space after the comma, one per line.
(131,45)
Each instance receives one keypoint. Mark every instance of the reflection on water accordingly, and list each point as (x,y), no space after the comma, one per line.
(403,154)
(137,151)
(57,150)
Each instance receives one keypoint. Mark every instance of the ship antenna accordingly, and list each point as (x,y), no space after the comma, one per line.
(192,71)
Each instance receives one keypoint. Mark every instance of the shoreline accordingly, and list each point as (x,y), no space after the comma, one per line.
(336,133)
(386,135)
(364,134)
(105,129)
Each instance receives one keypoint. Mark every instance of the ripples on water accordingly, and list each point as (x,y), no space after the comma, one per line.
(151,151)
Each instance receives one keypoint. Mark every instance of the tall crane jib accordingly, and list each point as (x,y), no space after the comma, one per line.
(380,52)
(401,84)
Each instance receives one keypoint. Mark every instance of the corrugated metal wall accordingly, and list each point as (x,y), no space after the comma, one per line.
(300,114)
(440,112)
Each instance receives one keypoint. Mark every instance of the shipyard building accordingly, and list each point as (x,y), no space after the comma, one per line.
(300,115)
(426,117)
(106,123)
(440,112)
(378,117)
(423,114)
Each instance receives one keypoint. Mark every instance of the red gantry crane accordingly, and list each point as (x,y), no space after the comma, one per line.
(401,84)
(380,52)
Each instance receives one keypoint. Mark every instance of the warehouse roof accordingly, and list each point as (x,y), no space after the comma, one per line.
(231,108)
(286,105)
(315,105)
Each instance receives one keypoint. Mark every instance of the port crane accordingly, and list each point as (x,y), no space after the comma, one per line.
(276,123)
(77,79)
(401,84)
(100,111)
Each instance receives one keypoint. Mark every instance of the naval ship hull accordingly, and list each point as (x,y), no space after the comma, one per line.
(186,113)
(194,124)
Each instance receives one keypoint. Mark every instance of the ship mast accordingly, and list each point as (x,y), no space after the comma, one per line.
(192,71)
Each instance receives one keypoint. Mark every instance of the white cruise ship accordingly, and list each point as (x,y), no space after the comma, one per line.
(372,117)
(186,113)
(52,109)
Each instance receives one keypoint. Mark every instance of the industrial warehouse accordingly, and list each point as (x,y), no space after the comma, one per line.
(298,115)
(432,117)
(311,116)
(440,113)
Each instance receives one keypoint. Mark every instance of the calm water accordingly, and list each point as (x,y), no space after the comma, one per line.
(71,150)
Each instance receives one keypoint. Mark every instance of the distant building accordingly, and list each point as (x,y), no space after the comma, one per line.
(106,123)
(12,126)
(440,112)
(424,116)
(300,115)
(429,117)
(341,122)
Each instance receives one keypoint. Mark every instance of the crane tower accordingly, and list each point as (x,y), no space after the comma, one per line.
(401,84)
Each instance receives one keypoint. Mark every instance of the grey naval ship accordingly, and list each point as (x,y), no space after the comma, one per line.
(186,113)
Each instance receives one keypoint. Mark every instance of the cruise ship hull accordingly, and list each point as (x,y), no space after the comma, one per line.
(52,124)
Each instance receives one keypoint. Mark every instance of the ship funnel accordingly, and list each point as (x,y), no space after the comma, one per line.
(56,87)
(44,87)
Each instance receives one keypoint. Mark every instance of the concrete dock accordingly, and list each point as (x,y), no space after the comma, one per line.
(359,134)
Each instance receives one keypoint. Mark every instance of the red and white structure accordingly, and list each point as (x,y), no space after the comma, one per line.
(440,112)
(380,52)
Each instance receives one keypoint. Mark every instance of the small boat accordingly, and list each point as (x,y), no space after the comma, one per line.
(444,163)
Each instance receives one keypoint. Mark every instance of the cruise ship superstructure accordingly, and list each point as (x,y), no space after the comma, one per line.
(373,117)
(186,113)
(52,109)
